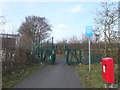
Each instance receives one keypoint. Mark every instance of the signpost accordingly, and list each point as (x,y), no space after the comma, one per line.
(89,33)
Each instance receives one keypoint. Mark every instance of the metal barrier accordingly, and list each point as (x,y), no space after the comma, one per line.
(95,58)
(73,56)
(44,51)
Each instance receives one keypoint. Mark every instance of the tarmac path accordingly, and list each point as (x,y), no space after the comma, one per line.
(59,75)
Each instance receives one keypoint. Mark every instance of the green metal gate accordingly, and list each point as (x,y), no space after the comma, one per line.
(44,52)
(73,56)
(95,58)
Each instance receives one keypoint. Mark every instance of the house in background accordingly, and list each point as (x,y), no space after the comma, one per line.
(8,43)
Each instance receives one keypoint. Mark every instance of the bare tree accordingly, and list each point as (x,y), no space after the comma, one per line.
(97,34)
(2,20)
(60,46)
(74,39)
(106,21)
(32,31)
(35,29)
(2,23)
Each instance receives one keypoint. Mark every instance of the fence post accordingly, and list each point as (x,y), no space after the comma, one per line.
(41,53)
(80,55)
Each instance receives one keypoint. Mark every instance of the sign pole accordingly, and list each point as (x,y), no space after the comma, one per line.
(89,32)
(89,56)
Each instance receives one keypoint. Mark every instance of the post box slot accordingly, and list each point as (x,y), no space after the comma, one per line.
(104,68)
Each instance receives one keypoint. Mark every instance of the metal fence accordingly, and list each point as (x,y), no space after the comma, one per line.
(44,51)
(78,53)
(73,56)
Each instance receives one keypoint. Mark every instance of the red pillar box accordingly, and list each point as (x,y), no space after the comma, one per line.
(108,70)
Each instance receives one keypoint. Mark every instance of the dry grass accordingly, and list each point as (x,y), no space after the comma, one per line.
(93,78)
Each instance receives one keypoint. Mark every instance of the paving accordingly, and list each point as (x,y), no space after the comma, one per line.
(59,75)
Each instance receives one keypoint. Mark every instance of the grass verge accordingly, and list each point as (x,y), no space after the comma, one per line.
(93,78)
(58,55)
(9,81)
(0,81)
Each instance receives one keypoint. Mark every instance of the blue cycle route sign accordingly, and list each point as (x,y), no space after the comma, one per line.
(89,31)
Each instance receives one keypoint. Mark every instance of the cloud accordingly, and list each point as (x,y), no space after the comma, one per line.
(60,31)
(63,31)
(61,26)
(75,9)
